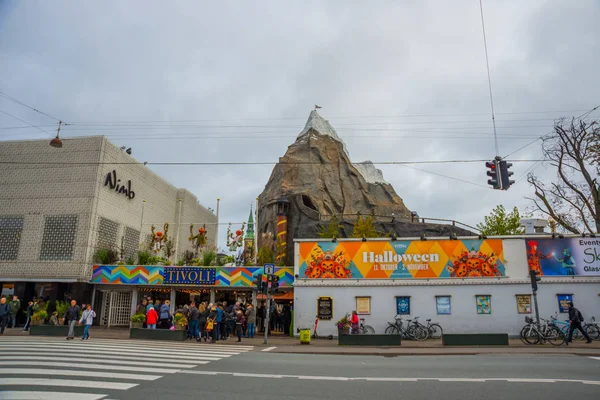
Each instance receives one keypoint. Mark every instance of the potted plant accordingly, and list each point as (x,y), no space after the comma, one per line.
(179,321)
(61,309)
(343,325)
(39,317)
(137,320)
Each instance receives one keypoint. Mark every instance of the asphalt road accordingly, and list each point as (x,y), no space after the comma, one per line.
(155,370)
(257,375)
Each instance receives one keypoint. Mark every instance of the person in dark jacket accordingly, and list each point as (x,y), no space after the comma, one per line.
(4,311)
(212,316)
(72,316)
(204,311)
(29,314)
(15,306)
(576,318)
(164,315)
(239,321)
(193,316)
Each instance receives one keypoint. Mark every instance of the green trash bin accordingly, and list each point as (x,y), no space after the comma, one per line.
(304,336)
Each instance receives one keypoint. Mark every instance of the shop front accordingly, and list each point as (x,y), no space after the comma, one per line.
(118,289)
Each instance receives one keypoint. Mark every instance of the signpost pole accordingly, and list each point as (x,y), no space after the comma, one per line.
(537,311)
(267,310)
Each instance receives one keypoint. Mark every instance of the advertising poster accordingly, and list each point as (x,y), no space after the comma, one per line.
(442,304)
(401,259)
(568,257)
(403,305)
(325,308)
(524,303)
(563,302)
(363,305)
(484,304)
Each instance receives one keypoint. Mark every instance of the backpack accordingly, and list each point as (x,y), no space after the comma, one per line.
(209,324)
(580,316)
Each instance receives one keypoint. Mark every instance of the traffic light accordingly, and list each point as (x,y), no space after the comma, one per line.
(534,279)
(258,283)
(274,284)
(505,174)
(494,174)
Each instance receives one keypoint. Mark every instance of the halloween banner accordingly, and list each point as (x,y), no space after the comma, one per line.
(417,259)
(571,256)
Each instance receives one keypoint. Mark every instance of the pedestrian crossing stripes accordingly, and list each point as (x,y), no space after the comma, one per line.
(53,368)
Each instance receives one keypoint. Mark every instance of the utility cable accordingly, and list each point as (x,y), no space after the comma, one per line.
(487,63)
(22,120)
(2,94)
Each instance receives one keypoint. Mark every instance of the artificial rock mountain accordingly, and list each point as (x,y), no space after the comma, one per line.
(318,179)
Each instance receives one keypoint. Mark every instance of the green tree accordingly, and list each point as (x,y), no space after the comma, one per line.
(364,228)
(332,230)
(501,223)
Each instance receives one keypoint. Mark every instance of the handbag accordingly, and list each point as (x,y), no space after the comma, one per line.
(209,325)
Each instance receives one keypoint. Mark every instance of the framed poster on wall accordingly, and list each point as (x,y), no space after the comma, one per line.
(442,305)
(524,303)
(403,305)
(563,302)
(363,305)
(325,308)
(484,303)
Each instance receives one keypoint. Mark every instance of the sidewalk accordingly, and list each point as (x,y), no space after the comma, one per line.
(291,345)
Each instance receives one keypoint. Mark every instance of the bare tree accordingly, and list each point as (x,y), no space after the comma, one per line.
(573,199)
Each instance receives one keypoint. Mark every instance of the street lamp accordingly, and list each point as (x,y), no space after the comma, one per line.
(56,142)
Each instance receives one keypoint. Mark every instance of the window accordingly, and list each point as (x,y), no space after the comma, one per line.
(363,305)
(58,241)
(403,305)
(131,242)
(442,305)
(10,237)
(107,234)
(484,303)
(524,303)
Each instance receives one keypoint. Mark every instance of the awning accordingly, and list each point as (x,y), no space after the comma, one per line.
(280,296)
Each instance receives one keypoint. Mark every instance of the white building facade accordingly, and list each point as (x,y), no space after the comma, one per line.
(469,285)
(59,206)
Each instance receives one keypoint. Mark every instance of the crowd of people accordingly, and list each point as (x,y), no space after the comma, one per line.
(216,321)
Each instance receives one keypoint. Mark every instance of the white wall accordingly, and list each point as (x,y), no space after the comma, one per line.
(464,318)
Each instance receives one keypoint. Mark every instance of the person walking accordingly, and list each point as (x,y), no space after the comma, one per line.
(239,321)
(29,314)
(15,306)
(72,316)
(219,321)
(251,321)
(4,312)
(576,318)
(193,315)
(88,318)
(151,318)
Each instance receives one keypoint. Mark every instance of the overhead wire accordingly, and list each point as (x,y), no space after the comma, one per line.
(22,120)
(4,95)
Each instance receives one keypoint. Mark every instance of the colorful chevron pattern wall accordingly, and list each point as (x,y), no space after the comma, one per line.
(153,275)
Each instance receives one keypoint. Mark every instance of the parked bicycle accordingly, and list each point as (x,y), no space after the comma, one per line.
(365,329)
(434,331)
(412,330)
(593,329)
(547,332)
(564,327)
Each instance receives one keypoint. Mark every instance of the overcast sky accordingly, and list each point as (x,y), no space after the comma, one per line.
(235,81)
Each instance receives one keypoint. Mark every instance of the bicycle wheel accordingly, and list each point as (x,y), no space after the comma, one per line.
(555,336)
(528,335)
(368,330)
(577,334)
(593,331)
(391,330)
(419,333)
(435,331)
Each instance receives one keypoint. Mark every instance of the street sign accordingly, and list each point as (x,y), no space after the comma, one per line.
(269,269)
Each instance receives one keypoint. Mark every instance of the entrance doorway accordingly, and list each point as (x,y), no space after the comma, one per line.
(115,308)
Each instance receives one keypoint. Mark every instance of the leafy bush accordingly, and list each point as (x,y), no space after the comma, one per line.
(61,308)
(180,319)
(138,318)
(130,261)
(105,256)
(143,258)
(208,258)
(40,315)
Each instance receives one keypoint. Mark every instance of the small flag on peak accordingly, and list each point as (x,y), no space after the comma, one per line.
(317,107)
